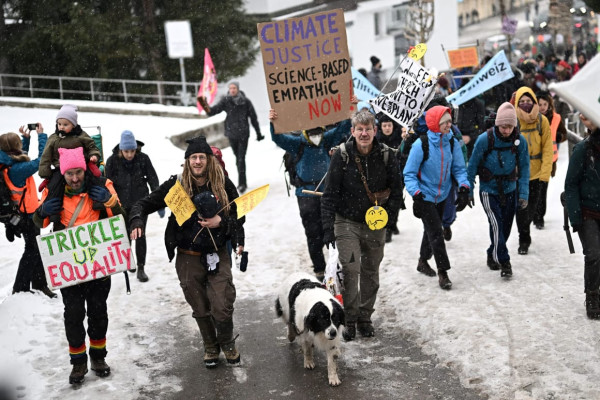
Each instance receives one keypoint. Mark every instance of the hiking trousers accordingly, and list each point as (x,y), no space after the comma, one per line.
(360,253)
(310,212)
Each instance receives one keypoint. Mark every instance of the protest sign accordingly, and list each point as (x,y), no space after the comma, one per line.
(580,91)
(208,87)
(509,25)
(180,203)
(465,57)
(417,52)
(307,69)
(85,252)
(496,71)
(250,200)
(363,89)
(414,90)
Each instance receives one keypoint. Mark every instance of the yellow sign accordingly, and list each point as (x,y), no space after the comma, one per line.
(376,218)
(465,57)
(418,51)
(250,200)
(180,203)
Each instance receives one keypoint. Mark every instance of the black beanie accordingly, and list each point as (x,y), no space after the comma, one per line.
(374,60)
(197,145)
(206,203)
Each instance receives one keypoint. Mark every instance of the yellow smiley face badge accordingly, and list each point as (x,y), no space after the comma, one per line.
(376,218)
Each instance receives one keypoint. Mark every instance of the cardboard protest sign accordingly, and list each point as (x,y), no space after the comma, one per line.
(86,252)
(179,203)
(496,71)
(415,87)
(580,91)
(465,57)
(307,68)
(250,200)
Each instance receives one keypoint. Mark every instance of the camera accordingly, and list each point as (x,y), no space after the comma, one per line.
(15,219)
(32,127)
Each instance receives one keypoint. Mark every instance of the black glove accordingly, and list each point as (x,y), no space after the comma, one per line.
(259,137)
(462,199)
(135,224)
(329,238)
(471,202)
(99,194)
(418,205)
(50,207)
(10,234)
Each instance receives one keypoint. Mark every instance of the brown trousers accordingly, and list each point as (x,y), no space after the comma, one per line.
(208,294)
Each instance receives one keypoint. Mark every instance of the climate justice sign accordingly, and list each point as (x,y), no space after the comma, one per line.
(307,68)
(85,252)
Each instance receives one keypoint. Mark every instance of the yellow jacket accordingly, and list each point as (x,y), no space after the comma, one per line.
(536,129)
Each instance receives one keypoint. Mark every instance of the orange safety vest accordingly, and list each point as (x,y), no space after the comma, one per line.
(25,197)
(554,128)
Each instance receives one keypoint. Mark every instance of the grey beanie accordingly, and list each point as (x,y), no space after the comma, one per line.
(236,83)
(68,112)
(127,141)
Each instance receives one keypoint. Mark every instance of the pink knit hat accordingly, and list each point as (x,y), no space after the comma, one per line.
(506,115)
(71,158)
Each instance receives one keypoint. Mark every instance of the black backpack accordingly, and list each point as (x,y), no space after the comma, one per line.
(9,211)
(289,163)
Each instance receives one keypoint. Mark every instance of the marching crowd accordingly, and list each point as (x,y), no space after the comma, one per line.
(340,172)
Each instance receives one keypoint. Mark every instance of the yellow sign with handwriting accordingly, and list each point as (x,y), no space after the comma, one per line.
(250,200)
(179,203)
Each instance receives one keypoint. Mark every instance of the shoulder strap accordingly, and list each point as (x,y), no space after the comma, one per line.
(344,152)
(300,152)
(76,212)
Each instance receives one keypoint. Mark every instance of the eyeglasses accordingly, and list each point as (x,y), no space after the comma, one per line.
(198,157)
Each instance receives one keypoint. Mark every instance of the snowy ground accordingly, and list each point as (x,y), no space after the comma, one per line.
(518,339)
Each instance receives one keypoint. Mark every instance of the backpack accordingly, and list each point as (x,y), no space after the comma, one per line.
(385,149)
(9,210)
(289,163)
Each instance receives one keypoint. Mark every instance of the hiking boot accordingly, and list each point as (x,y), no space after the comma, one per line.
(539,224)
(395,230)
(388,235)
(211,359)
(320,275)
(78,373)
(366,329)
(506,271)
(226,340)
(231,353)
(141,275)
(211,345)
(100,367)
(493,265)
(592,304)
(447,234)
(445,282)
(349,331)
(46,290)
(424,268)
(523,248)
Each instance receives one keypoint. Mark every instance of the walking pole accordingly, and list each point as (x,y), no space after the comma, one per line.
(566,224)
(127,286)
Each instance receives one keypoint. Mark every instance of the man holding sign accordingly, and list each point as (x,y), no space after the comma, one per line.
(77,208)
(200,233)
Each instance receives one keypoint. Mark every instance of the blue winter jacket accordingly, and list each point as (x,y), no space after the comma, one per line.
(501,162)
(314,163)
(434,179)
(20,171)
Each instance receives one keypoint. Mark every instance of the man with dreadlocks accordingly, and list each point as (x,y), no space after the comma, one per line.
(203,262)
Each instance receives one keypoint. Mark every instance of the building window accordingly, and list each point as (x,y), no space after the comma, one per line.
(377,24)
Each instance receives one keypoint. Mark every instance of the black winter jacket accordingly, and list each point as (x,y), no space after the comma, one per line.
(131,178)
(345,193)
(183,236)
(238,111)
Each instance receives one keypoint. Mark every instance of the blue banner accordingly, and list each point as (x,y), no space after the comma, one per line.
(363,89)
(496,71)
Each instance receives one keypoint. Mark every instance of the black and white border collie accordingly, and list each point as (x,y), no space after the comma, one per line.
(314,316)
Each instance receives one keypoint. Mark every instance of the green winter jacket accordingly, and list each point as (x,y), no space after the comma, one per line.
(582,184)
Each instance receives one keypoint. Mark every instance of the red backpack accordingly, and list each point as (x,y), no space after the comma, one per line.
(217,153)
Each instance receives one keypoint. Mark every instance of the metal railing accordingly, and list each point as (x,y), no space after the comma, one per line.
(96,89)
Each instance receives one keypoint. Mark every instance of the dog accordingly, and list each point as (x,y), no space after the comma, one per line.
(312,314)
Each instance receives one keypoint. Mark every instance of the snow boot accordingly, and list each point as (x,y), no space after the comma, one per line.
(506,271)
(366,329)
(395,229)
(592,304)
(493,265)
(444,281)
(227,341)
(78,373)
(349,331)
(523,248)
(447,234)
(141,275)
(209,337)
(100,367)
(424,268)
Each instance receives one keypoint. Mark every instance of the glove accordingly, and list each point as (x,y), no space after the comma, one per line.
(418,205)
(462,200)
(576,228)
(137,223)
(522,204)
(471,202)
(161,212)
(50,207)
(204,103)
(99,194)
(329,238)
(259,137)
(10,234)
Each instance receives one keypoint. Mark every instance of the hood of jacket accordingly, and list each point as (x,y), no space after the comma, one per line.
(5,159)
(433,116)
(531,116)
